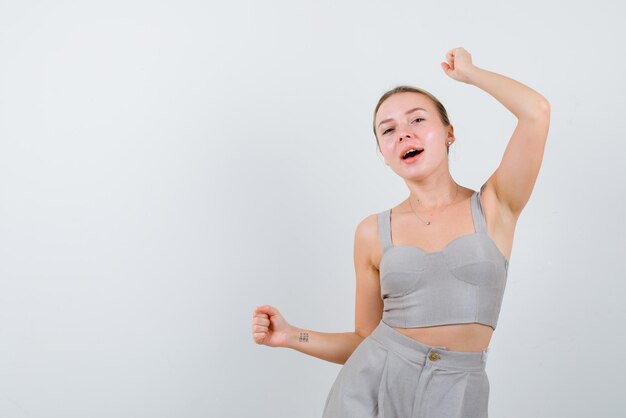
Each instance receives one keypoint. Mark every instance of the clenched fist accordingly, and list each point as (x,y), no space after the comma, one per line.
(459,64)
(269,327)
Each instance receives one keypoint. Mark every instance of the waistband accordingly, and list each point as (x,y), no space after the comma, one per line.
(436,356)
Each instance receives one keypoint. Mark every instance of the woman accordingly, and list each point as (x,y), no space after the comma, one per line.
(431,271)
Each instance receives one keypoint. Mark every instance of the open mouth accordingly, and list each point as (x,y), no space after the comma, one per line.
(412,154)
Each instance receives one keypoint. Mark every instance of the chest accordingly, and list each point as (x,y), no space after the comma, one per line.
(471,259)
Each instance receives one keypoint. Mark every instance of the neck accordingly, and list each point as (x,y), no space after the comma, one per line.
(433,192)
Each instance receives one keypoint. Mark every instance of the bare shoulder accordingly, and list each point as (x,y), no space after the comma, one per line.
(366,240)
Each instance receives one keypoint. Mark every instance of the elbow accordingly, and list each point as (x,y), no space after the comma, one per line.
(539,111)
(361,335)
(544,107)
(356,342)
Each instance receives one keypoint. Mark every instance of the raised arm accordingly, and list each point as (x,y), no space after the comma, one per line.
(515,177)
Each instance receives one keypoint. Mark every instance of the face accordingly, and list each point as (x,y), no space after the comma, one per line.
(411,120)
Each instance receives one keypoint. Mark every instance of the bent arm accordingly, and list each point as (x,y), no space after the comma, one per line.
(337,347)
(515,177)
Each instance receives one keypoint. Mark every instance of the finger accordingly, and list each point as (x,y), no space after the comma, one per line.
(268,309)
(259,328)
(258,309)
(261,321)
(451,62)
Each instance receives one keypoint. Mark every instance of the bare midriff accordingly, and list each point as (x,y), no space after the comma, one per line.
(456,337)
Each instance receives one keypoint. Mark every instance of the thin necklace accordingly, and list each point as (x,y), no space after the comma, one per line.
(444,208)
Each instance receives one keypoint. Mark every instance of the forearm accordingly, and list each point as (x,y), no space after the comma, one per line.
(521,100)
(334,347)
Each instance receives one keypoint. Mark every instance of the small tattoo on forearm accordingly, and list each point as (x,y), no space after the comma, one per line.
(304,337)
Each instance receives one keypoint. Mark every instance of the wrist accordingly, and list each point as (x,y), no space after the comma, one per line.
(472,74)
(295,336)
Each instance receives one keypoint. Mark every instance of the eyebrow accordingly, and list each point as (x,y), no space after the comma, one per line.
(407,113)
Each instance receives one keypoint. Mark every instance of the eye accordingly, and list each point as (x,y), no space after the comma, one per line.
(386,131)
(417,119)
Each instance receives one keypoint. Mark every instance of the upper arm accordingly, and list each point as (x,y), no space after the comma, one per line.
(368,304)
(515,177)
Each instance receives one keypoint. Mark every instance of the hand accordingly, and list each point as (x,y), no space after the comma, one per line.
(459,64)
(269,327)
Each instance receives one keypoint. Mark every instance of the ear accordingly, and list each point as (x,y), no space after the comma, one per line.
(450,138)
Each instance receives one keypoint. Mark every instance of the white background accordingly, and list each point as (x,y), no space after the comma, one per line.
(165,167)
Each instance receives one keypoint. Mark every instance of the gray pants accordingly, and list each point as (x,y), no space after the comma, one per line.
(391,375)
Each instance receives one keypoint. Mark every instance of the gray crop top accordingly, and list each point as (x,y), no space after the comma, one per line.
(462,283)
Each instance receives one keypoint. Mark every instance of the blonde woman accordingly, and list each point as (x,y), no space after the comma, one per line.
(431,271)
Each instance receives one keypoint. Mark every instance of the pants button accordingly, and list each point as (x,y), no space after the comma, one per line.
(434,356)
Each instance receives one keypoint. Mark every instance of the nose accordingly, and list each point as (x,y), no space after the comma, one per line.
(404,132)
(404,135)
